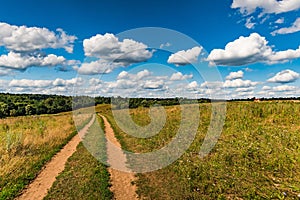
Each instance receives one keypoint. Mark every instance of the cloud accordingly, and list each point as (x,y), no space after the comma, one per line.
(28,83)
(192,85)
(178,76)
(165,45)
(21,61)
(247,69)
(5,71)
(279,91)
(57,86)
(142,74)
(266,88)
(283,88)
(249,24)
(183,57)
(95,81)
(247,7)
(95,67)
(235,75)
(243,90)
(28,39)
(108,47)
(292,29)
(212,85)
(285,76)
(135,77)
(249,50)
(239,83)
(279,21)
(69,82)
(153,84)
(123,84)
(135,84)
(111,54)
(24,45)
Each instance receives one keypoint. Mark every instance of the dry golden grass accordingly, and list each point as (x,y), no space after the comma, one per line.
(26,143)
(82,116)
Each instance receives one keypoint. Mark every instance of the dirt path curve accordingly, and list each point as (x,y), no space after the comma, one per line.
(38,189)
(121,181)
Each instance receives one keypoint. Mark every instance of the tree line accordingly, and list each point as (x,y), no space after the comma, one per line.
(12,105)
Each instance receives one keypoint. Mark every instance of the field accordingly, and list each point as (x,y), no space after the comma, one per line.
(256,157)
(28,142)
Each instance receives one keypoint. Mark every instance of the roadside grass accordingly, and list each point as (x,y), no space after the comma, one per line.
(85,177)
(26,144)
(256,157)
(82,117)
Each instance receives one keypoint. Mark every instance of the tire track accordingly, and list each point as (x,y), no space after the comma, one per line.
(121,181)
(38,189)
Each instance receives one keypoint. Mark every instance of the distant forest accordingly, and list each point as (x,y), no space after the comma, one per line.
(12,105)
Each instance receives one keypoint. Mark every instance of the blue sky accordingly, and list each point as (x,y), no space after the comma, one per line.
(219,49)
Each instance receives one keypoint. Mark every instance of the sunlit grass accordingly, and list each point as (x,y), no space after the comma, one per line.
(27,143)
(256,157)
(85,177)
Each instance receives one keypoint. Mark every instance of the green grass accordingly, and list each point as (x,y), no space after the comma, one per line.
(84,177)
(256,157)
(27,143)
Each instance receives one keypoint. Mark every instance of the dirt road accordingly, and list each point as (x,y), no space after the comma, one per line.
(121,181)
(38,189)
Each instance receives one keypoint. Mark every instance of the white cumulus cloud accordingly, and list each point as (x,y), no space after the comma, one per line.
(26,39)
(111,53)
(285,76)
(249,23)
(108,47)
(192,85)
(247,89)
(19,61)
(249,50)
(239,83)
(153,84)
(178,76)
(292,29)
(283,88)
(183,57)
(28,83)
(266,88)
(268,6)
(235,75)
(135,77)
(95,67)
(279,21)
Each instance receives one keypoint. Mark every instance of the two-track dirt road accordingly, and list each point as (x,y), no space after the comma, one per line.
(121,181)
(38,188)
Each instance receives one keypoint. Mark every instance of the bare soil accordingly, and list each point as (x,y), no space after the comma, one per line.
(122,180)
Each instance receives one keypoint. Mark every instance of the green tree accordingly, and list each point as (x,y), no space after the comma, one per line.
(29,110)
(3,110)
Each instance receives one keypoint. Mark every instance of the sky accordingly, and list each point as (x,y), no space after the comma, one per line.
(197,49)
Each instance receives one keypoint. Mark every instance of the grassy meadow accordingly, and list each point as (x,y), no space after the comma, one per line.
(256,157)
(27,143)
